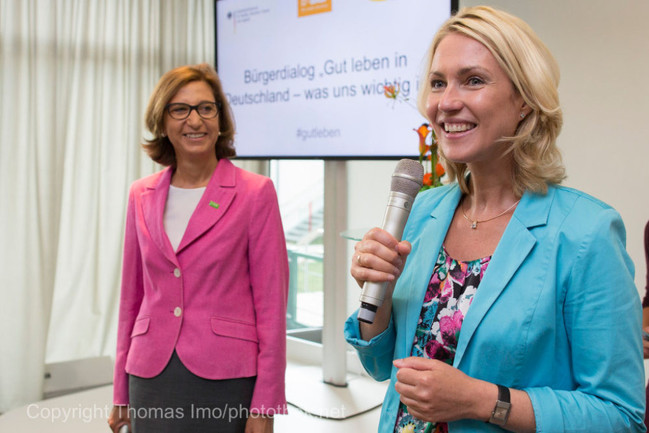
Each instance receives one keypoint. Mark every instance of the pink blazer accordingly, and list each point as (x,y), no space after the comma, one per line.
(219,300)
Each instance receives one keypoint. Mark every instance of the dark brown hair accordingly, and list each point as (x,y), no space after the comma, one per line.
(159,147)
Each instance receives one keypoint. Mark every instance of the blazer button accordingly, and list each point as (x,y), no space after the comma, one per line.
(177,273)
(178,311)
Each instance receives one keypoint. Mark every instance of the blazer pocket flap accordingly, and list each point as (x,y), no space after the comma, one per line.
(234,329)
(140,327)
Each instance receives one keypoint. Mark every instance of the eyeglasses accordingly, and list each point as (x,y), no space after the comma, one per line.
(181,111)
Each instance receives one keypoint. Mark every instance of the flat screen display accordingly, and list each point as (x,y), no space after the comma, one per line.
(325,79)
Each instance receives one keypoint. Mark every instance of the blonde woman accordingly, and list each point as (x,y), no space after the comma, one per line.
(516,307)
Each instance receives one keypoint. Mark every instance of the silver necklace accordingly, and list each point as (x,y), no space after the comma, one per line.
(474,223)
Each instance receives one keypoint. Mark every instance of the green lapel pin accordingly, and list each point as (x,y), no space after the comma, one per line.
(214,205)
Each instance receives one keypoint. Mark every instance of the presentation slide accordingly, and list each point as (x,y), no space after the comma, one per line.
(325,79)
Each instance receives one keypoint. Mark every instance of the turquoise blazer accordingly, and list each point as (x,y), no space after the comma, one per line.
(557,313)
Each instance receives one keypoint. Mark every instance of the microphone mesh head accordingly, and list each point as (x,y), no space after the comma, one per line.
(408,177)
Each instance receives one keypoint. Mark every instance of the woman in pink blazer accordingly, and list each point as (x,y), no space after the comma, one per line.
(201,340)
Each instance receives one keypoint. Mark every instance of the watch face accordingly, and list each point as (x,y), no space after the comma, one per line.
(501,413)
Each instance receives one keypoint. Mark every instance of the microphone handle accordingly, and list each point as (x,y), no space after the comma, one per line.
(394,221)
(396,213)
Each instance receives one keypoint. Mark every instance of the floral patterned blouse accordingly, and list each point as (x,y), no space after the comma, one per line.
(449,294)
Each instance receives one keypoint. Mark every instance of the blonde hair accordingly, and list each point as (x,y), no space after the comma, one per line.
(534,74)
(159,147)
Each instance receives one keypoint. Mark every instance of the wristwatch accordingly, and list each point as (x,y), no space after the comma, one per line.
(503,405)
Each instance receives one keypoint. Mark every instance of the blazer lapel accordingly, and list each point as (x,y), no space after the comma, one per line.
(423,262)
(153,206)
(216,200)
(512,250)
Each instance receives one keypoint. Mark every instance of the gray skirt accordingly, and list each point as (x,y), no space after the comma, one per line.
(179,401)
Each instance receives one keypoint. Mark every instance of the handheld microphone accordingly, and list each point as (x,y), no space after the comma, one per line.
(407,180)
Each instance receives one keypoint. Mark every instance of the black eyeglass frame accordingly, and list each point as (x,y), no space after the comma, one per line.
(216,105)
